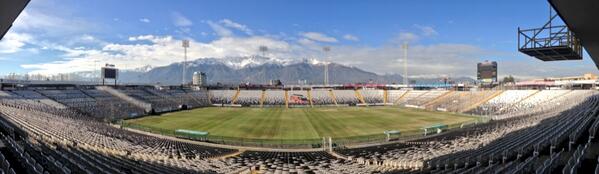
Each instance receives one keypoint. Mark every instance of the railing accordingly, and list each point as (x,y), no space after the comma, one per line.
(550,42)
(554,36)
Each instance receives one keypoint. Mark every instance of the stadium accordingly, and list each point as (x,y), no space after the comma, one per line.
(545,126)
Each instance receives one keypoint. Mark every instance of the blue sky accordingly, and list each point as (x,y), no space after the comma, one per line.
(446,38)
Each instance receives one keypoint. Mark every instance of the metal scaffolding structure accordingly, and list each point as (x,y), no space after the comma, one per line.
(550,43)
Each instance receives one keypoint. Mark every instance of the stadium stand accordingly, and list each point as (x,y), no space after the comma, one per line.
(504,100)
(159,102)
(63,130)
(274,97)
(459,100)
(294,162)
(221,96)
(410,95)
(488,147)
(372,96)
(322,97)
(298,97)
(424,97)
(75,135)
(347,97)
(39,98)
(249,97)
(125,109)
(184,98)
(201,97)
(395,95)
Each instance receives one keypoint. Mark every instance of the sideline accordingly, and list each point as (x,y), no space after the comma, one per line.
(240,148)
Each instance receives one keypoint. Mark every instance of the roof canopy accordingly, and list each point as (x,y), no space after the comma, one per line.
(9,10)
(581,18)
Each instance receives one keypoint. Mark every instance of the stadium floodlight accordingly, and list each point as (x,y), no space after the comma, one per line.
(185,45)
(263,49)
(326,50)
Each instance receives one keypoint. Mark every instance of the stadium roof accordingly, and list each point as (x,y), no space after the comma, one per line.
(581,18)
(9,10)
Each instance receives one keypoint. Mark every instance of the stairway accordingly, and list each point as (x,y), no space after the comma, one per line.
(497,93)
(235,97)
(442,96)
(400,97)
(520,101)
(385,96)
(332,94)
(262,98)
(310,98)
(286,99)
(359,96)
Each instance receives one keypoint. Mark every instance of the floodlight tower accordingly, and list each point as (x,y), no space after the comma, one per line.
(185,45)
(405,64)
(263,49)
(326,50)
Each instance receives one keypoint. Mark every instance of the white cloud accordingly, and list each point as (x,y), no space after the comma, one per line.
(219,29)
(158,51)
(163,50)
(39,20)
(436,60)
(318,37)
(424,60)
(406,37)
(181,21)
(142,37)
(306,42)
(13,42)
(427,30)
(351,37)
(453,60)
(88,37)
(84,39)
(144,20)
(234,25)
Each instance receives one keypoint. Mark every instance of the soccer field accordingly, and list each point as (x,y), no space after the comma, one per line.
(300,123)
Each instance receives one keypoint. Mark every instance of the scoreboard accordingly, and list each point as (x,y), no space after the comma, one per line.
(109,73)
(487,72)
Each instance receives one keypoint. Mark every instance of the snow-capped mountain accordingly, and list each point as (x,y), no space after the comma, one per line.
(234,62)
(142,69)
(254,69)
(239,62)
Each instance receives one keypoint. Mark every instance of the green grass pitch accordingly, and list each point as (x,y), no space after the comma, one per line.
(300,123)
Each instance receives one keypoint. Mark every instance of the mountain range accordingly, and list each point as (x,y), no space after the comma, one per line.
(258,70)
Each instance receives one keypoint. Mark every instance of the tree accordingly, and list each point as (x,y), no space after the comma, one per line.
(509,79)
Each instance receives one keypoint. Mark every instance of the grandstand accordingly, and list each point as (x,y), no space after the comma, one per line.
(48,127)
(58,129)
